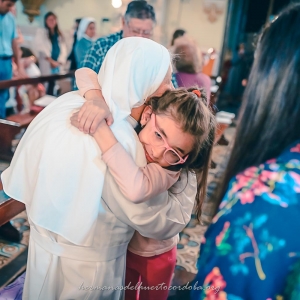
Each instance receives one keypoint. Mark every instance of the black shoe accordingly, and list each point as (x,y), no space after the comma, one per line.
(10,233)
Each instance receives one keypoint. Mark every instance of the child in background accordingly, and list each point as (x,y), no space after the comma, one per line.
(151,262)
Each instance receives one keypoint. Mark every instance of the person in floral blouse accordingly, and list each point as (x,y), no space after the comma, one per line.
(252,249)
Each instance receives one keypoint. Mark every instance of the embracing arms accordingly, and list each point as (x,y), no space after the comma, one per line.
(95,109)
(138,184)
(164,215)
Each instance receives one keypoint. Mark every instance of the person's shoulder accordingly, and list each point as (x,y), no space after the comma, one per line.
(109,40)
(204,76)
(10,17)
(84,42)
(292,152)
(276,181)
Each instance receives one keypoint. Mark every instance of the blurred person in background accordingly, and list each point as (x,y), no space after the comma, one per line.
(240,68)
(9,48)
(71,56)
(20,37)
(34,91)
(85,38)
(22,97)
(188,63)
(50,43)
(51,48)
(177,34)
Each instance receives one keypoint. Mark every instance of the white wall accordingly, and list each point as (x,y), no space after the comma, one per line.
(171,14)
(68,10)
(190,15)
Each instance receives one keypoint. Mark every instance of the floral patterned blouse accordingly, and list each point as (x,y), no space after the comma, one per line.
(254,242)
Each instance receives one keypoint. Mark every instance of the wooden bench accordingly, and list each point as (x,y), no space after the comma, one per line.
(13,125)
(9,128)
(9,207)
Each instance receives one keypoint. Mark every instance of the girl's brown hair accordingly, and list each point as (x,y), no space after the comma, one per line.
(195,118)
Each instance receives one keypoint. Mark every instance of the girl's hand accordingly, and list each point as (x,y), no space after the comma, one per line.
(75,123)
(74,120)
(93,112)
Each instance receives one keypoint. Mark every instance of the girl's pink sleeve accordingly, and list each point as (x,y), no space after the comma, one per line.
(137,184)
(86,79)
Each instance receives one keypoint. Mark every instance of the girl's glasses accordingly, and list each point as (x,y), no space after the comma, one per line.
(157,139)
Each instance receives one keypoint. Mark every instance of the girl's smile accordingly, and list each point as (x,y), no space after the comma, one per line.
(148,157)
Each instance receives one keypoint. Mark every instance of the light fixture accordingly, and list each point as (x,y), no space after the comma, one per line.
(31,8)
(116,3)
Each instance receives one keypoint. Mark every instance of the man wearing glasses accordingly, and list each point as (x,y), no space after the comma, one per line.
(139,20)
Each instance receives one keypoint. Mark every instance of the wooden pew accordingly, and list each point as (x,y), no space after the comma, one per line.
(5,84)
(9,128)
(9,207)
(12,125)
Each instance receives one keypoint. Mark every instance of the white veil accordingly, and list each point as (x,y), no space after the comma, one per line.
(83,25)
(57,170)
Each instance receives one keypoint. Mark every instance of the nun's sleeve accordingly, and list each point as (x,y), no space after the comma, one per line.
(163,216)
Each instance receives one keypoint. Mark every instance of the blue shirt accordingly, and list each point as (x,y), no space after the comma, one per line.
(8,32)
(96,54)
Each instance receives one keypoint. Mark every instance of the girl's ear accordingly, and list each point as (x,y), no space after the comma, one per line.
(146,115)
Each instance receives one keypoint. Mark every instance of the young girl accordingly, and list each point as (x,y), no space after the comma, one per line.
(150,263)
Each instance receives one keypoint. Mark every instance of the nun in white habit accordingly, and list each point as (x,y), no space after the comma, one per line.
(80,221)
(85,38)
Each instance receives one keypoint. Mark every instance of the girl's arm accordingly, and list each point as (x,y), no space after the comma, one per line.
(137,184)
(95,109)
